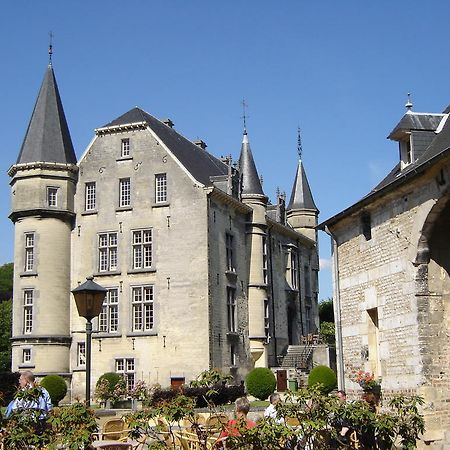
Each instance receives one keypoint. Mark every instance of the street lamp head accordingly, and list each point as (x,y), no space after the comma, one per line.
(89,298)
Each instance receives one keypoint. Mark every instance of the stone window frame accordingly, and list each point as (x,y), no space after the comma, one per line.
(161,188)
(143,308)
(232,318)
(229,250)
(266,317)
(108,251)
(52,196)
(109,317)
(27,355)
(28,310)
(30,251)
(125,148)
(81,354)
(126,367)
(90,196)
(265,258)
(142,249)
(124,192)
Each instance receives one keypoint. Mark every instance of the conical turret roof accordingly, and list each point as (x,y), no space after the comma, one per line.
(47,138)
(301,196)
(250,182)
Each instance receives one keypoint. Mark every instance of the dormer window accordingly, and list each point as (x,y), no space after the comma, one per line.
(125,148)
(405,152)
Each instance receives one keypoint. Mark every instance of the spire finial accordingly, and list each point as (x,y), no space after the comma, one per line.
(299,144)
(408,104)
(50,48)
(244,115)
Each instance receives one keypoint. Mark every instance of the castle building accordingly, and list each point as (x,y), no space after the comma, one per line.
(391,256)
(201,270)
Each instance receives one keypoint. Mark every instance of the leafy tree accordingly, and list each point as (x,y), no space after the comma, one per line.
(326,313)
(5,335)
(6,281)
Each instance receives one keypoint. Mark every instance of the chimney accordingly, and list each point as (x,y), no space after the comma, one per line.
(200,144)
(168,122)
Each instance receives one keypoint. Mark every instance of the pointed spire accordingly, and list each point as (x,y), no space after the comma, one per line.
(47,138)
(301,196)
(50,48)
(299,144)
(250,182)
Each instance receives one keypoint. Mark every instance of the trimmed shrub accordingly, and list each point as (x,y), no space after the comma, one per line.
(8,386)
(260,382)
(106,386)
(325,376)
(56,387)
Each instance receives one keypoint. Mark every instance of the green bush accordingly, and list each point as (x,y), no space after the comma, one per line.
(56,387)
(325,376)
(110,386)
(260,382)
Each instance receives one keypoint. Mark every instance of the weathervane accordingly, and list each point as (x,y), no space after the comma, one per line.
(244,115)
(299,144)
(409,104)
(50,48)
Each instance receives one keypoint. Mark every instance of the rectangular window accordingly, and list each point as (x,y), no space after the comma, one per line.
(143,312)
(126,367)
(108,320)
(231,309)
(229,251)
(29,252)
(52,196)
(125,148)
(264,255)
(81,354)
(266,317)
(294,269)
(124,192)
(26,356)
(233,355)
(366,225)
(142,249)
(107,252)
(28,311)
(307,278)
(161,188)
(90,196)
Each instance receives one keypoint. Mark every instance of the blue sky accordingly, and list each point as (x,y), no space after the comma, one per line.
(340,70)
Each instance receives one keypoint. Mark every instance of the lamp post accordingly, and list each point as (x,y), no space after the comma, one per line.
(89,298)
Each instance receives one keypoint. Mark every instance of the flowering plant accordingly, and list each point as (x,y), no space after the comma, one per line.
(367,380)
(139,391)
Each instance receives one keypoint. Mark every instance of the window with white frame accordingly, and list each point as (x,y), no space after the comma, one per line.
(28,297)
(125,148)
(124,192)
(142,249)
(26,356)
(107,252)
(266,317)
(231,309)
(126,367)
(161,187)
(90,202)
(143,308)
(29,252)
(264,259)
(229,251)
(81,354)
(108,320)
(52,196)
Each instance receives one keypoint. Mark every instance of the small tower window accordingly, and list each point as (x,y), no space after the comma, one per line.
(52,196)
(125,148)
(405,153)
(366,225)
(26,356)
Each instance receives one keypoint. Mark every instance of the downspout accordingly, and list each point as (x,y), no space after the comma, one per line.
(337,311)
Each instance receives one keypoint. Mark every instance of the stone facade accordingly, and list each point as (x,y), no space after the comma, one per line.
(198,274)
(391,286)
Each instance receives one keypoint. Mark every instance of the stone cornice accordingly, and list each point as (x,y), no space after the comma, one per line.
(42,165)
(216,193)
(42,212)
(119,128)
(30,339)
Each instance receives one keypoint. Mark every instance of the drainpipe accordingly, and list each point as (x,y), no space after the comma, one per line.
(337,312)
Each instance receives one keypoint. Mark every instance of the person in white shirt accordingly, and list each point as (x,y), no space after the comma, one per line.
(271,410)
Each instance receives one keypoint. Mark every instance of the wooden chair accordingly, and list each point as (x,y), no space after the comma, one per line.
(189,441)
(216,422)
(116,446)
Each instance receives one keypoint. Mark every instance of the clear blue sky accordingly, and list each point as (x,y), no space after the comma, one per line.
(339,69)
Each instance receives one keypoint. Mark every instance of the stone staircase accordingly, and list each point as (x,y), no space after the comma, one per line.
(298,357)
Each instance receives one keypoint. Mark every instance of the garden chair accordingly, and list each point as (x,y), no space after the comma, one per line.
(116,446)
(216,422)
(190,441)
(113,430)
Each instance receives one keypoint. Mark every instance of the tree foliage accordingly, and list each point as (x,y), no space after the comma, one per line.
(326,313)
(5,335)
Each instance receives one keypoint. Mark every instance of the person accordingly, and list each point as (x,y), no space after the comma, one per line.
(242,407)
(271,410)
(342,396)
(42,403)
(342,426)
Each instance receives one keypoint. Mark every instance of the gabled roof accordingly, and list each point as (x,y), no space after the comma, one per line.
(47,138)
(201,164)
(301,196)
(439,148)
(250,182)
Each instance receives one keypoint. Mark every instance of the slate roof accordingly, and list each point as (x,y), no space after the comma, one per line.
(416,121)
(250,182)
(439,148)
(47,138)
(201,164)
(301,196)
